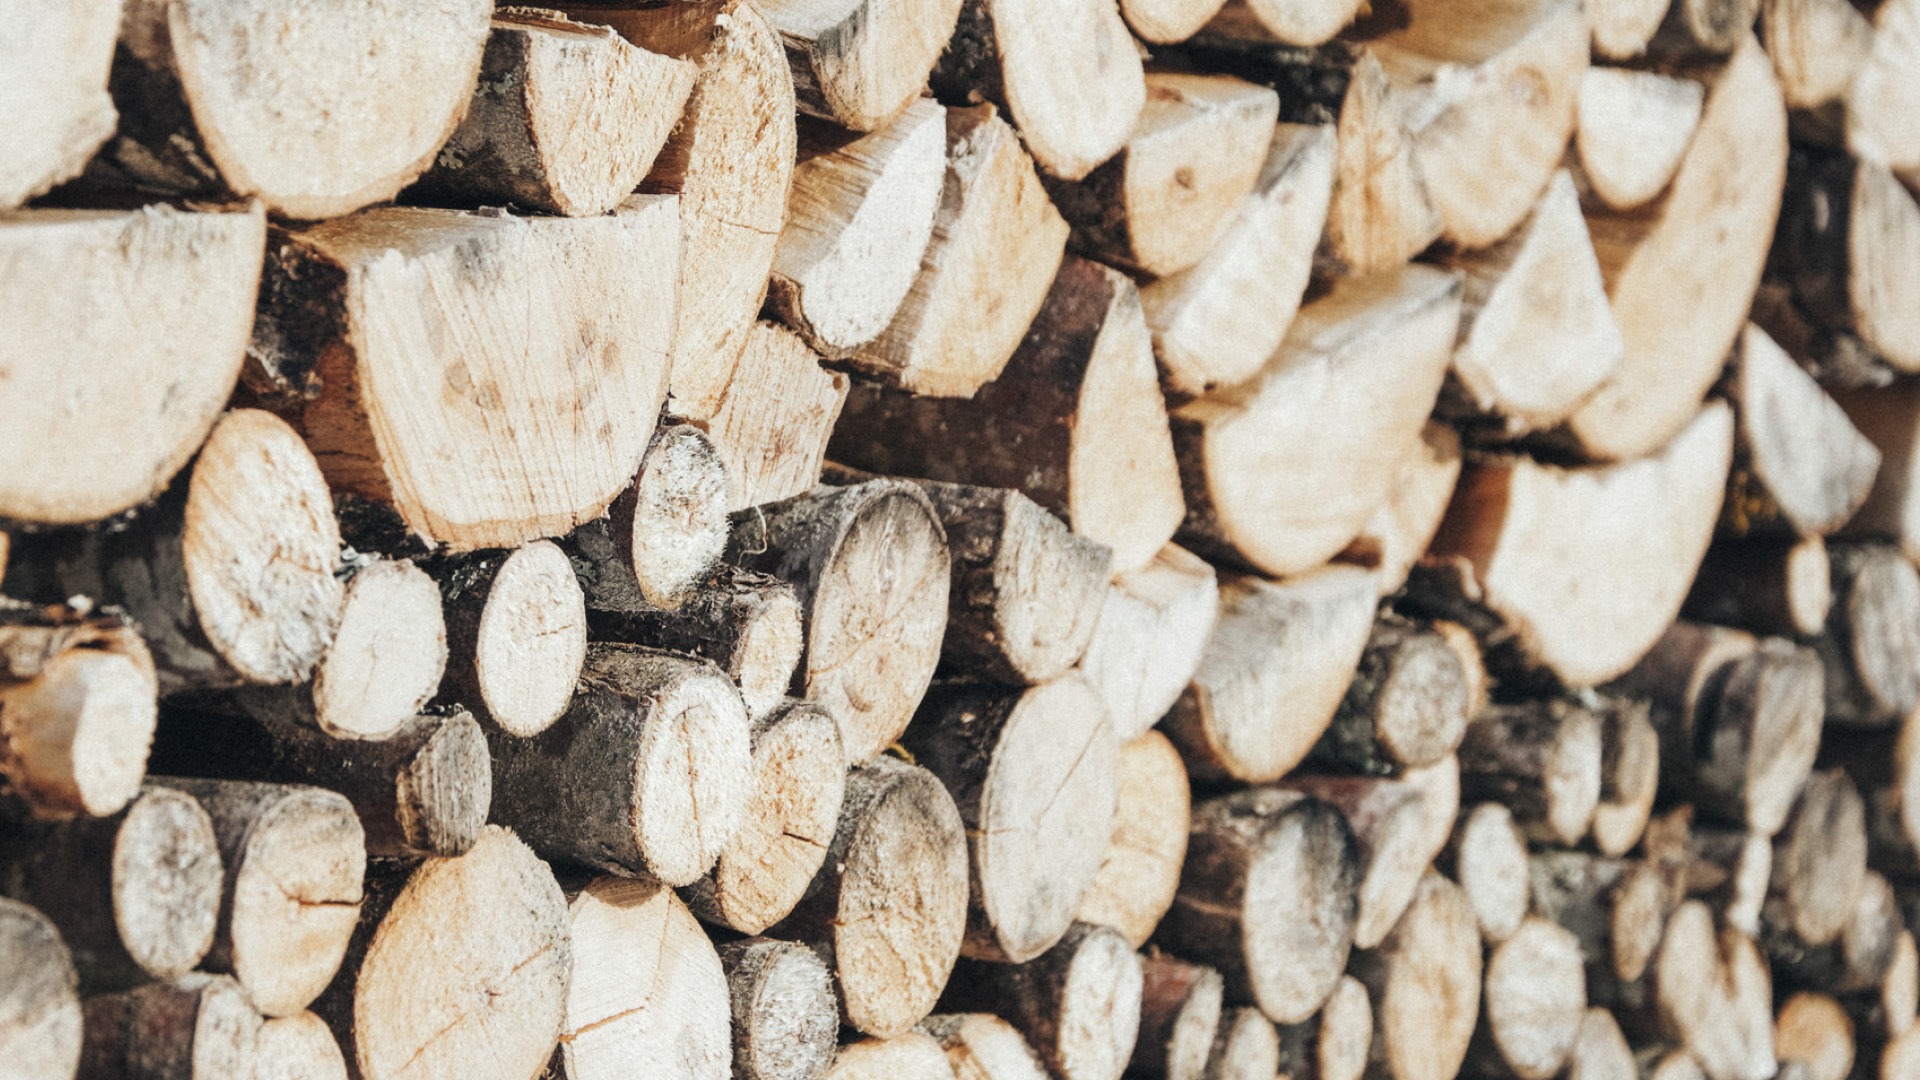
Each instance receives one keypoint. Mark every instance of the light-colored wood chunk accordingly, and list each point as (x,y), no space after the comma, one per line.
(40,1033)
(1141,873)
(1290,22)
(1881,126)
(1634,127)
(1166,22)
(1152,632)
(772,426)
(858,63)
(59,111)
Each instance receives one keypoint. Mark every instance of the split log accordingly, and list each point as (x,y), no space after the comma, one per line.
(1439,784)
(859,220)
(1536,335)
(1153,812)
(889,905)
(150,370)
(136,895)
(1273,675)
(1390,820)
(647,993)
(749,624)
(981,1046)
(1819,861)
(1879,125)
(1075,421)
(1026,592)
(77,709)
(1817,47)
(1857,960)
(1487,856)
(997,243)
(516,634)
(1424,983)
(785,1021)
(1398,533)
(1160,202)
(1662,1062)
(1407,706)
(62,112)
(1179,1016)
(1334,1045)
(730,160)
(1633,128)
(648,773)
(423,791)
(1035,773)
(1629,774)
(799,782)
(313,114)
(1543,760)
(772,426)
(1587,600)
(1153,630)
(1078,1003)
(1536,1003)
(369,323)
(664,533)
(298,1047)
(1871,651)
(1601,1051)
(913,1056)
(198,1028)
(1901,1056)
(40,1033)
(1814,1030)
(860,63)
(1268,897)
(870,564)
(1714,996)
(1070,78)
(460,967)
(1695,28)
(1617,908)
(1700,250)
(1766,586)
(1215,323)
(1284,21)
(566,118)
(1167,22)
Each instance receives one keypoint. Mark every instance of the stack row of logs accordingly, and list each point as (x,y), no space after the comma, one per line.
(960,540)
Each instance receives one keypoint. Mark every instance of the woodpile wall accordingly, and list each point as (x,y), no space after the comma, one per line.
(960,540)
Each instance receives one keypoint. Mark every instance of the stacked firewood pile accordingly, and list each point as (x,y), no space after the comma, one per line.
(960,539)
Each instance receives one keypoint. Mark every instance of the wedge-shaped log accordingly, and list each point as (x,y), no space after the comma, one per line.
(1622,29)
(1076,421)
(772,426)
(1141,871)
(566,118)
(1879,125)
(1819,861)
(858,63)
(314,112)
(1818,47)
(1397,534)
(1800,466)
(1633,128)
(1069,76)
(63,112)
(1152,633)
(392,339)
(135,320)
(1283,471)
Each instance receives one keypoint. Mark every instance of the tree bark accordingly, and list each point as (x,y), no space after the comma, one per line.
(199,1028)
(785,1020)
(1179,1016)
(1764,586)
(1543,760)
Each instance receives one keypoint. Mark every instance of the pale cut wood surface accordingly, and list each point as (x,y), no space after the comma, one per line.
(198,1026)
(41,1027)
(1290,22)
(858,63)
(1634,127)
(57,80)
(1141,872)
(785,1019)
(1152,632)
(1164,22)
(516,634)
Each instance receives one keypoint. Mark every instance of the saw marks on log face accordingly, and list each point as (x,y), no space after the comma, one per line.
(531,639)
(388,655)
(136,321)
(772,426)
(59,112)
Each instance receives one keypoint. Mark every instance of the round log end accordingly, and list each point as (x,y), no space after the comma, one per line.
(1536,998)
(295,898)
(78,732)
(40,1001)
(785,1019)
(1300,908)
(673,520)
(1422,707)
(298,1047)
(443,795)
(532,639)
(1490,860)
(1247,1048)
(693,775)
(388,655)
(167,882)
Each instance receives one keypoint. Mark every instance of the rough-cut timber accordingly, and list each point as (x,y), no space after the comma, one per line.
(61,113)
(997,242)
(912,1056)
(566,118)
(1536,1002)
(730,160)
(298,1047)
(1283,471)
(1160,202)
(1871,651)
(648,773)
(1633,128)
(1215,323)
(197,1028)
(1819,861)
(1407,706)
(647,994)
(1068,75)
(1247,1046)
(1765,585)
(40,1006)
(1542,760)
(1179,1015)
(773,422)
(1137,882)
(859,63)
(1153,630)
(982,1046)
(1424,983)
(858,223)
(664,533)
(315,112)
(76,709)
(516,634)
(1268,897)
(1682,274)
(135,895)
(294,859)
(785,1020)
(799,782)
(127,330)
(399,341)
(870,564)
(1078,1003)
(889,905)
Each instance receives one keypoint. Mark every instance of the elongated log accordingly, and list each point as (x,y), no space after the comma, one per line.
(1158,203)
(1487,856)
(785,1020)
(314,115)
(516,634)
(1813,1029)
(63,112)
(890,902)
(1180,1006)
(136,895)
(1629,774)
(294,859)
(1151,635)
(1584,601)
(1268,896)
(197,1028)
(1078,1003)
(773,422)
(997,243)
(799,782)
(1334,1045)
(1075,421)
(1536,1003)
(1397,534)
(1543,760)
(1632,129)
(566,118)
(858,223)
(1274,673)
(870,564)
(1766,586)
(1215,323)
(859,63)
(1246,1047)
(1871,651)
(647,990)
(1152,814)
(40,1018)
(460,967)
(298,1047)
(1283,471)
(149,371)
(912,1056)
(1540,284)
(1879,126)
(649,772)
(1407,706)
(369,401)
(982,1046)
(1424,983)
